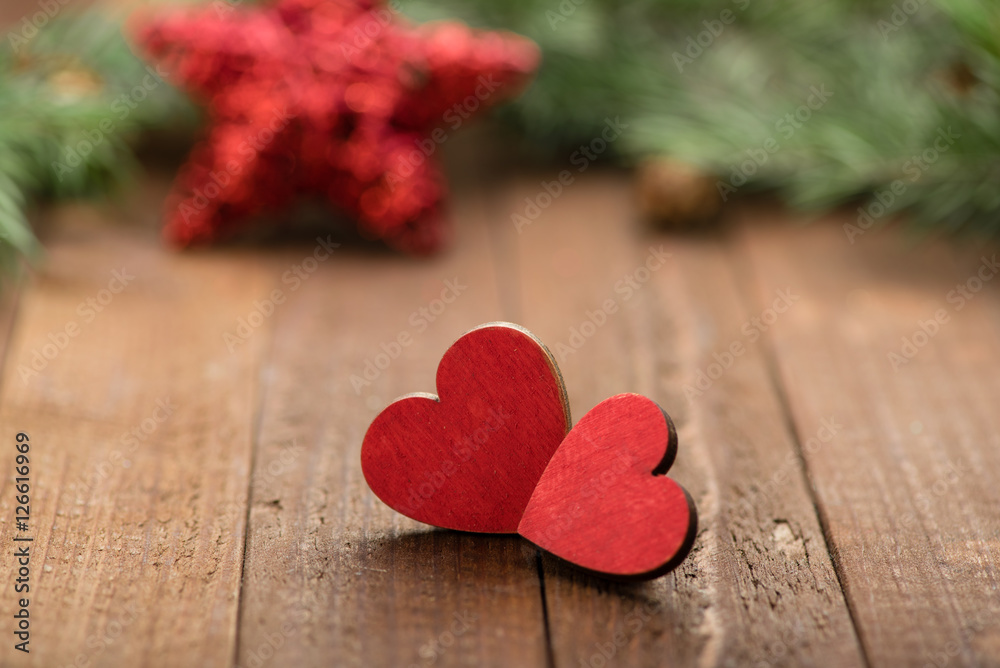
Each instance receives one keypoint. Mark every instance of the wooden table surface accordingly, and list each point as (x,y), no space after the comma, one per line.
(197,497)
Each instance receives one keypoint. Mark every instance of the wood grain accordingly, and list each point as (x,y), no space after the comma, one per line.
(908,491)
(331,572)
(801,440)
(759,587)
(139,421)
(10,296)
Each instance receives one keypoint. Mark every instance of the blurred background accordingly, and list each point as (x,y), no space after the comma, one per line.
(876,547)
(881,106)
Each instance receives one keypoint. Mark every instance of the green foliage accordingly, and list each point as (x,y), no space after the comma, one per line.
(64,125)
(899,73)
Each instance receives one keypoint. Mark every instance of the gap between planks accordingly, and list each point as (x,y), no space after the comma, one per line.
(568,261)
(749,288)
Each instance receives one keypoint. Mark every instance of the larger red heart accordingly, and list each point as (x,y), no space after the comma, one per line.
(604,502)
(470,459)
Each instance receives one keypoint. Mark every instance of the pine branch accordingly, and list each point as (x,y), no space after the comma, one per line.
(897,80)
(64,126)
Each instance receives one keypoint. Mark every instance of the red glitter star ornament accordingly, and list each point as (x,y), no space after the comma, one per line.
(340,98)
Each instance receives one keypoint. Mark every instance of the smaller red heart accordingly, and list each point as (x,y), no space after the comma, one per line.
(604,503)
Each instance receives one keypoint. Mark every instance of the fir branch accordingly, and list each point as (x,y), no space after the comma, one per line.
(60,133)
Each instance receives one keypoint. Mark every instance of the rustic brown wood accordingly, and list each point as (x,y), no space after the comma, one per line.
(140,459)
(908,489)
(355,582)
(759,585)
(140,563)
(10,296)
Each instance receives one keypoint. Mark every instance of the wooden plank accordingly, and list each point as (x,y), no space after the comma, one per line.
(759,587)
(10,295)
(909,495)
(139,423)
(331,572)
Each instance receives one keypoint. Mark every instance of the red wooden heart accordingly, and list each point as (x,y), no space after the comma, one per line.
(604,502)
(471,459)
